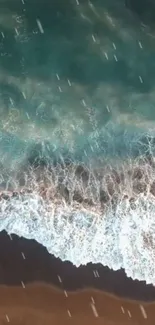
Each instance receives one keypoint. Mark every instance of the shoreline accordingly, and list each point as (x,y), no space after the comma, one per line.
(23,262)
(56,290)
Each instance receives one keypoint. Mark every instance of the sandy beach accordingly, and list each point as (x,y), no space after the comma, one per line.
(42,304)
(37,288)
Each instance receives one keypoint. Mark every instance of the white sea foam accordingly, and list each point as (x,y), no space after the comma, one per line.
(124,237)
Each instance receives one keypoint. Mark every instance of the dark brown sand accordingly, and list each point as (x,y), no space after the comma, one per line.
(37,288)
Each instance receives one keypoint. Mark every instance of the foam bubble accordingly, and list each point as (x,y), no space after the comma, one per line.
(123,236)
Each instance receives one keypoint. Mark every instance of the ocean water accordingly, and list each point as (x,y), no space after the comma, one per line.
(77,130)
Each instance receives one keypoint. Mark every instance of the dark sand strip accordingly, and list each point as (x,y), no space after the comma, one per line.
(37,288)
(26,261)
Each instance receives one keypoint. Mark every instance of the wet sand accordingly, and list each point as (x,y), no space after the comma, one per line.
(42,304)
(37,288)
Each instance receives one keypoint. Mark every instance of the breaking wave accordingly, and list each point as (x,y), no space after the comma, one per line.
(85,214)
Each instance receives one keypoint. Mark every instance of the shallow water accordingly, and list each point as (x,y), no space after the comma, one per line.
(77,86)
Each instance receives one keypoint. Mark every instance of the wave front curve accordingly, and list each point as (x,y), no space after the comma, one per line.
(99,216)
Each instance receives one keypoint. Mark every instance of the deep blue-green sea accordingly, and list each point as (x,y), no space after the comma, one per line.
(77,118)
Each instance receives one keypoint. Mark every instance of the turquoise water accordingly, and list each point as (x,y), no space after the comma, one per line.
(76,91)
(72,75)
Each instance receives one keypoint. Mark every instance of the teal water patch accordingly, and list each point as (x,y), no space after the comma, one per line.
(65,86)
(107,145)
